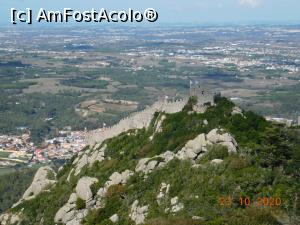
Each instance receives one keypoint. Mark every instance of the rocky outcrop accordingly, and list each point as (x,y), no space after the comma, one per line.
(88,159)
(197,147)
(219,136)
(236,110)
(97,155)
(163,192)
(115,179)
(175,205)
(70,174)
(138,213)
(158,126)
(114,218)
(193,148)
(41,181)
(147,165)
(10,218)
(69,214)
(80,163)
(119,178)
(83,189)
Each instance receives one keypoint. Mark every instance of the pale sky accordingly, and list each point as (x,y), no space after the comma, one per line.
(176,11)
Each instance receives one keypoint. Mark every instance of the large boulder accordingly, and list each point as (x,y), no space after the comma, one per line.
(43,179)
(219,136)
(72,198)
(193,148)
(68,214)
(83,189)
(114,218)
(119,178)
(64,214)
(230,146)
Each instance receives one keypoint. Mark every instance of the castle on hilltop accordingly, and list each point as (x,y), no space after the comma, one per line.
(204,96)
(143,118)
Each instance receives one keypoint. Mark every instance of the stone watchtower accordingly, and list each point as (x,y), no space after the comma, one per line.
(204,96)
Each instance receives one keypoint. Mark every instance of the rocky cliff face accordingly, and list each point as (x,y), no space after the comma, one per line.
(192,151)
(174,171)
(43,180)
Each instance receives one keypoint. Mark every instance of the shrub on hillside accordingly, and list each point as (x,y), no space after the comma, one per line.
(95,187)
(116,191)
(80,204)
(215,152)
(237,163)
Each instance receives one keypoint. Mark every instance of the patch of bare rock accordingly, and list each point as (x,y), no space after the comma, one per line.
(193,150)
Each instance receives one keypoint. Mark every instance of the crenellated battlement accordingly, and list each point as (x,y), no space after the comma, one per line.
(137,120)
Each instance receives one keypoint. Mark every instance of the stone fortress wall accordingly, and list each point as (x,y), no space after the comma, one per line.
(143,118)
(137,120)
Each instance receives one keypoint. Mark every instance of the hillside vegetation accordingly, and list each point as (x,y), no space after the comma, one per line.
(12,187)
(266,165)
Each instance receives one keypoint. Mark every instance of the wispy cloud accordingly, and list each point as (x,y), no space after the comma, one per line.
(250,3)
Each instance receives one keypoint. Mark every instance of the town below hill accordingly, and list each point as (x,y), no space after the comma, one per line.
(19,151)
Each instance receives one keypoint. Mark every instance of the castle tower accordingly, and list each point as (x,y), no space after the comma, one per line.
(204,95)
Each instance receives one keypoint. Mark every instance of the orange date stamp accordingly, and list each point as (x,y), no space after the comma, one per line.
(228,201)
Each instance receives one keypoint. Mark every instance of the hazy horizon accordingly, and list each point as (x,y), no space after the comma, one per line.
(216,12)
